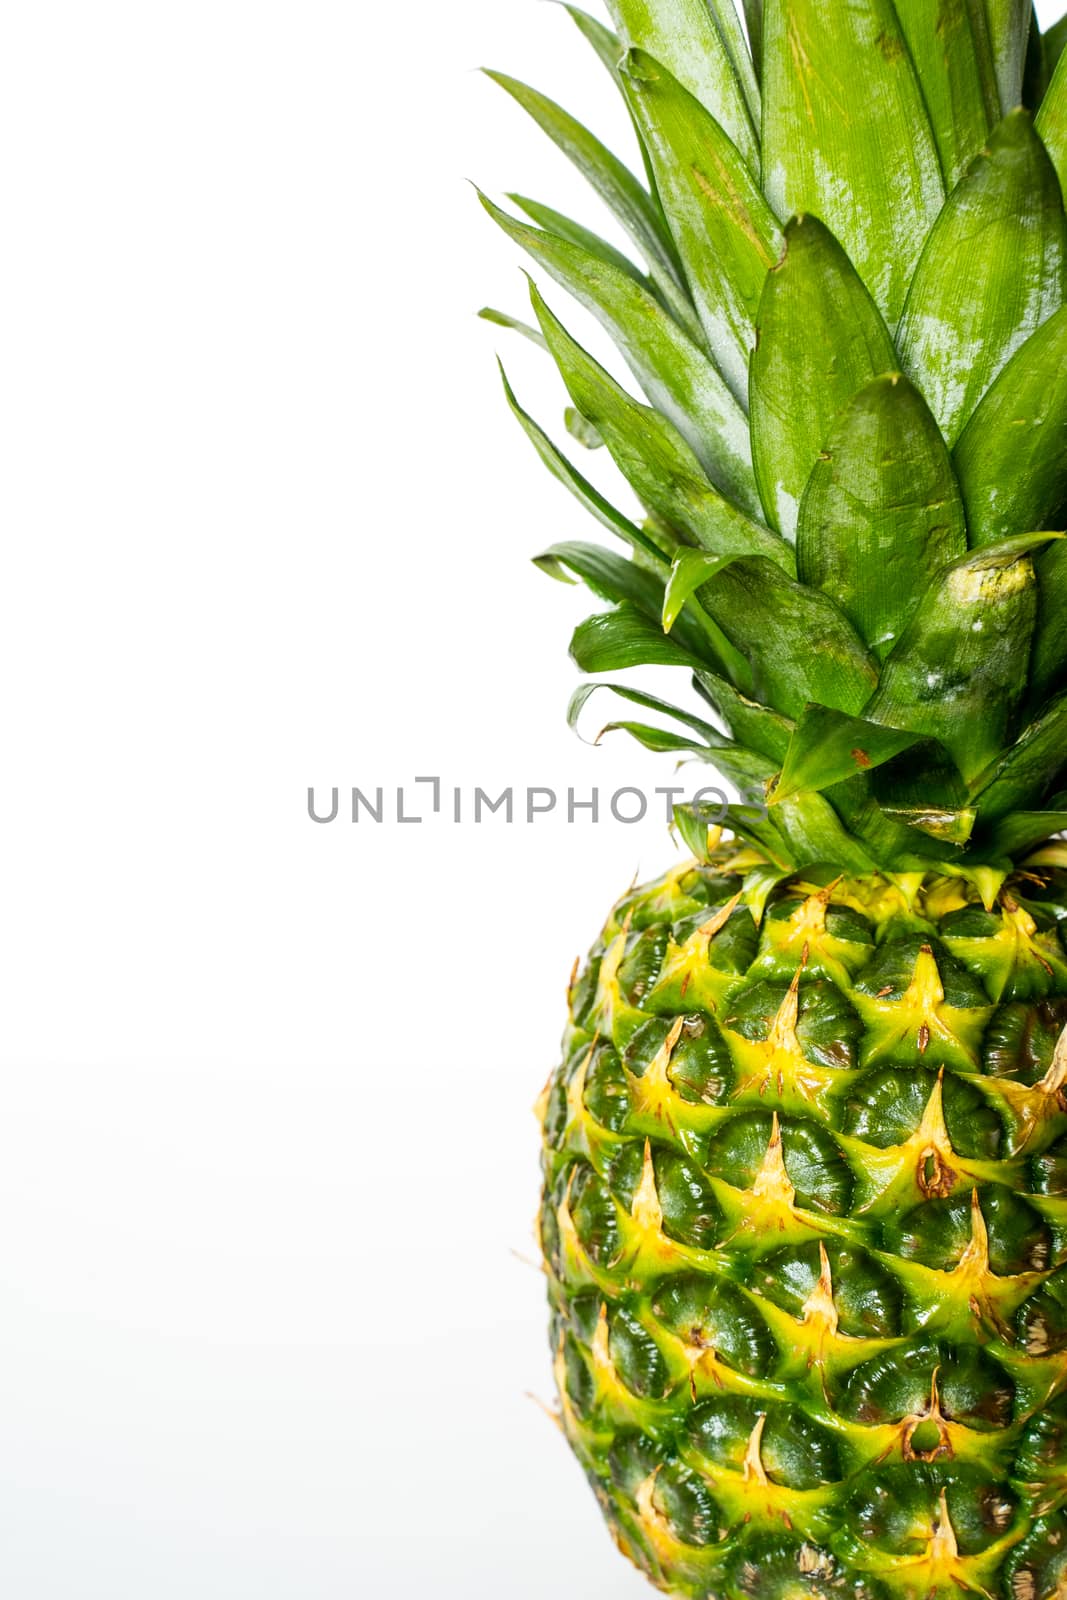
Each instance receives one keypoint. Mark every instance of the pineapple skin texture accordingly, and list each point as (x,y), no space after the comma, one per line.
(804,1223)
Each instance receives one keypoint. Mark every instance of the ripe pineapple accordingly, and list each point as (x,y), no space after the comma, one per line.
(805,1160)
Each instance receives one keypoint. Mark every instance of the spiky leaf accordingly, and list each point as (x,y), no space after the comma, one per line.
(956,672)
(1048,663)
(1023,774)
(740,765)
(1011,459)
(614,640)
(757,726)
(1015,835)
(829,747)
(584,492)
(1053,41)
(565,227)
(630,203)
(882,512)
(608,575)
(653,456)
(726,235)
(1009,30)
(956,75)
(801,647)
(821,339)
(846,135)
(676,376)
(1052,120)
(992,272)
(683,35)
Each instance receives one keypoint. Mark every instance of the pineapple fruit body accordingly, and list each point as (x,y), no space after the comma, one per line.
(805,1225)
(805,1215)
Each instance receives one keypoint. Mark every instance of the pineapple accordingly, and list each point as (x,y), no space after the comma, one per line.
(805,1159)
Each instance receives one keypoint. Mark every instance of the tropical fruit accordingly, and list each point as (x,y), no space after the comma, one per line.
(805,1158)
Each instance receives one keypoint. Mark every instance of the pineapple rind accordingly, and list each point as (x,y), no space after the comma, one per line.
(805,1231)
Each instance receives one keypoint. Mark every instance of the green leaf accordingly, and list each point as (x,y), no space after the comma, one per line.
(689,570)
(923,791)
(614,640)
(693,830)
(754,22)
(1053,39)
(1036,72)
(992,272)
(631,204)
(955,69)
(609,49)
(947,826)
(675,375)
(799,645)
(650,702)
(756,726)
(1009,30)
(726,235)
(847,137)
(828,748)
(653,456)
(762,836)
(608,45)
(959,669)
(584,492)
(1011,460)
(820,340)
(661,741)
(1022,776)
(882,511)
(1017,835)
(564,227)
(614,578)
(728,22)
(1049,661)
(502,319)
(683,35)
(610,576)
(816,836)
(1052,120)
(693,823)
(740,765)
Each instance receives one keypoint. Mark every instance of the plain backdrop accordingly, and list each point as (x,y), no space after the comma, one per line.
(267,1163)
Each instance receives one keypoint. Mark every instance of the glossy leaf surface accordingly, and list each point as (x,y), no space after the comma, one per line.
(820,340)
(726,235)
(991,273)
(676,376)
(653,456)
(846,135)
(882,512)
(1011,460)
(683,35)
(955,674)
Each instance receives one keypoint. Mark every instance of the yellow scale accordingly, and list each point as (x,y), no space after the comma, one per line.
(768,1211)
(921,1017)
(1021,945)
(1036,1109)
(924,1167)
(971,1291)
(688,974)
(941,1571)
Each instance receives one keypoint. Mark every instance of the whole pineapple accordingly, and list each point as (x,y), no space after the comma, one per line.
(805,1203)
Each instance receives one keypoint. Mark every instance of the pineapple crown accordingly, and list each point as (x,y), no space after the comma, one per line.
(848,323)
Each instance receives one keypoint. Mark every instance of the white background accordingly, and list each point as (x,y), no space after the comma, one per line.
(265,1139)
